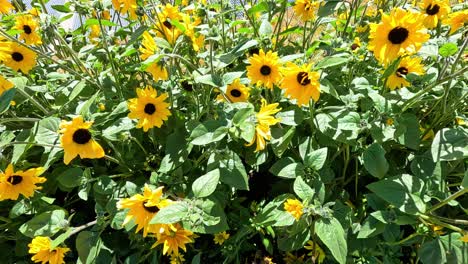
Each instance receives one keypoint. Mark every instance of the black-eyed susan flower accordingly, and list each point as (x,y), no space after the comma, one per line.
(29,26)
(164,27)
(148,49)
(356,44)
(12,183)
(179,259)
(78,140)
(306,9)
(43,252)
(457,20)
(434,11)
(126,7)
(219,238)
(5,85)
(142,208)
(173,238)
(236,92)
(264,69)
(265,119)
(407,65)
(316,251)
(400,33)
(149,108)
(5,7)
(300,83)
(18,57)
(294,207)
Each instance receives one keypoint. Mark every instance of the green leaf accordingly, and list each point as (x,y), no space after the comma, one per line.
(303,190)
(209,79)
(60,239)
(450,144)
(408,132)
(229,77)
(296,238)
(327,9)
(333,236)
(61,8)
(464,183)
(374,161)
(232,171)
(316,159)
(95,21)
(71,177)
(208,132)
(331,62)
(91,249)
(432,252)
(448,49)
(287,168)
(371,227)
(265,28)
(291,116)
(77,89)
(402,191)
(391,68)
(121,125)
(280,142)
(45,224)
(205,185)
(273,213)
(170,214)
(5,100)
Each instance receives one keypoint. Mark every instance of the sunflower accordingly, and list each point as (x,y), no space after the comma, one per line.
(77,140)
(356,44)
(164,27)
(29,26)
(142,208)
(148,49)
(126,6)
(12,183)
(265,119)
(402,32)
(457,20)
(5,7)
(306,9)
(5,85)
(18,57)
(94,34)
(434,11)
(43,252)
(407,65)
(294,207)
(173,238)
(236,92)
(148,108)
(300,83)
(264,69)
(219,238)
(158,71)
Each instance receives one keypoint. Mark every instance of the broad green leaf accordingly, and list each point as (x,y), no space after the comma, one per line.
(265,28)
(333,61)
(391,68)
(71,177)
(371,227)
(432,252)
(91,249)
(170,214)
(60,239)
(205,185)
(296,238)
(281,138)
(408,132)
(273,213)
(232,171)
(374,161)
(450,144)
(302,189)
(5,99)
(465,180)
(208,132)
(287,168)
(316,159)
(448,49)
(45,224)
(291,116)
(333,236)
(229,77)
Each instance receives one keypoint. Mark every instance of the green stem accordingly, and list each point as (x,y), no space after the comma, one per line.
(19,119)
(448,199)
(33,101)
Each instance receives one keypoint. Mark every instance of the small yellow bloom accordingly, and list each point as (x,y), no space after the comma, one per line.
(362,29)
(456,20)
(42,249)
(268,260)
(389,121)
(102,107)
(437,229)
(219,238)
(464,238)
(294,207)
(173,238)
(319,253)
(460,121)
(265,119)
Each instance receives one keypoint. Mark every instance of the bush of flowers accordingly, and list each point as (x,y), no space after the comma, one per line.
(266,131)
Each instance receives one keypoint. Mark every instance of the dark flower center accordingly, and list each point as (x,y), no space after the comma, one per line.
(398,35)
(354,46)
(167,24)
(27,29)
(16,56)
(151,209)
(187,86)
(15,179)
(402,71)
(303,78)
(432,9)
(254,51)
(150,108)
(236,93)
(81,136)
(265,70)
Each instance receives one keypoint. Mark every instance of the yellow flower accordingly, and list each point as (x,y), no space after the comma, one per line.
(437,229)
(179,259)
(164,28)
(142,208)
(294,207)
(5,7)
(371,10)
(400,33)
(18,57)
(148,49)
(434,11)
(319,255)
(219,238)
(264,69)
(464,238)
(265,119)
(12,183)
(460,121)
(77,140)
(407,65)
(429,135)
(356,44)
(300,83)
(43,252)
(306,9)
(361,29)
(102,107)
(29,26)
(236,92)
(94,34)
(149,108)
(5,85)
(34,12)
(268,260)
(389,121)
(457,20)
(126,7)
(173,238)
